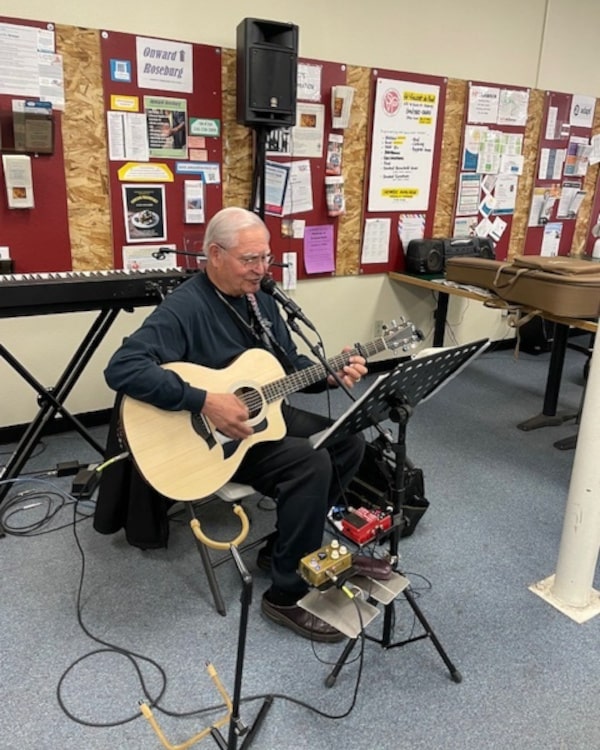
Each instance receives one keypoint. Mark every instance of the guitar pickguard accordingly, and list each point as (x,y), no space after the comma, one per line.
(212,437)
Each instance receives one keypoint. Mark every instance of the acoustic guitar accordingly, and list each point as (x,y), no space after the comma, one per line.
(184,457)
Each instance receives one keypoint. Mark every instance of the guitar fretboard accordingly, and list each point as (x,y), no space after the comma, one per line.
(310,375)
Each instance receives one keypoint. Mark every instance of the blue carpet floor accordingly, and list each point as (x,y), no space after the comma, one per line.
(497,494)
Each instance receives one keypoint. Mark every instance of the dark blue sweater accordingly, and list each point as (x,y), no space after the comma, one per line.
(191,325)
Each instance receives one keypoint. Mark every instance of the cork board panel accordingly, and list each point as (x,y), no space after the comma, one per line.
(584,222)
(84,136)
(531,139)
(237,141)
(456,95)
(355,149)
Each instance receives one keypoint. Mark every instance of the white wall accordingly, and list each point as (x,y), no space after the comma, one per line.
(538,43)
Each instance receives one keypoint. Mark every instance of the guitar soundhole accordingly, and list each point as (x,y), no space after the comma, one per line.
(252,398)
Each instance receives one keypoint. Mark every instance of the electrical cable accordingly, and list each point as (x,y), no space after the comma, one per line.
(51,502)
(132,656)
(107,647)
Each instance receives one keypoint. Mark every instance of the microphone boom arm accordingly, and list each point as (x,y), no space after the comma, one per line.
(162,251)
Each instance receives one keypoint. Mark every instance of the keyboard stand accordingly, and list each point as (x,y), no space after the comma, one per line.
(52,399)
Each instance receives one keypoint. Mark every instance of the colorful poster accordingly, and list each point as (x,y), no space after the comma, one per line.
(403,143)
(144,212)
(166,121)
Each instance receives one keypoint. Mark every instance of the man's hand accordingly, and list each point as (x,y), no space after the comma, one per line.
(352,372)
(228,414)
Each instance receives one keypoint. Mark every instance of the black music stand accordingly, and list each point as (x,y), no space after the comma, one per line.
(394,397)
(236,728)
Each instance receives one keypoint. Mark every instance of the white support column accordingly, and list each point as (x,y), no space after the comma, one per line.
(570,588)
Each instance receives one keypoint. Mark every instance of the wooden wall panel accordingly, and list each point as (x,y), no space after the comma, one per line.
(84,137)
(355,139)
(527,179)
(237,142)
(585,219)
(456,94)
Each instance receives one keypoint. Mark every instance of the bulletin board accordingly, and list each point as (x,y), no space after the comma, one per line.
(491,163)
(320,229)
(38,237)
(562,163)
(130,181)
(78,220)
(401,183)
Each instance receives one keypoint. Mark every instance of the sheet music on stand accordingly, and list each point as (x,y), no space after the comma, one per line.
(414,380)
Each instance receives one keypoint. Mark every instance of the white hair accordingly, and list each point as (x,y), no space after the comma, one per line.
(224,227)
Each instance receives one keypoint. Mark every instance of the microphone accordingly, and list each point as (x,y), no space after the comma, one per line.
(268,286)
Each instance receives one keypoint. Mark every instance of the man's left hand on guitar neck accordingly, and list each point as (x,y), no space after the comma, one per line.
(352,372)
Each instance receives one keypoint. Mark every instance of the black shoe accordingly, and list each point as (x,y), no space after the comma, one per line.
(300,621)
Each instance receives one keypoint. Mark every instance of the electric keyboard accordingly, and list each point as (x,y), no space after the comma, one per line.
(74,291)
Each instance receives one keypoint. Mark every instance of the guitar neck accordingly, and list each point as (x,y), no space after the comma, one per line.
(311,375)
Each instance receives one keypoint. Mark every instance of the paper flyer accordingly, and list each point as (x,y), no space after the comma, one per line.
(193,201)
(144,212)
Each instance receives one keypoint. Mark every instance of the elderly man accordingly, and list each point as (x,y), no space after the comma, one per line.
(210,320)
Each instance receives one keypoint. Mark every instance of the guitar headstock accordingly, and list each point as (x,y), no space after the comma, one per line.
(401,335)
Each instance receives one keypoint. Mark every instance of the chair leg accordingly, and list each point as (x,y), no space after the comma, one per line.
(208,569)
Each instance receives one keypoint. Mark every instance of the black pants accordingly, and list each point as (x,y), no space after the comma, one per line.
(304,483)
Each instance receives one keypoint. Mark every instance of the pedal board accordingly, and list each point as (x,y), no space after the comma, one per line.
(322,566)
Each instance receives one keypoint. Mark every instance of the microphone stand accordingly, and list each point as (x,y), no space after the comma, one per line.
(316,351)
(314,348)
(161,252)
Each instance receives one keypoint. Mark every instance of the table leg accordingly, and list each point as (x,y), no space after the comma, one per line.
(441,313)
(549,416)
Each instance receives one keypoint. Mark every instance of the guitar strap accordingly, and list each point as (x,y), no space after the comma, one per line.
(259,327)
(263,328)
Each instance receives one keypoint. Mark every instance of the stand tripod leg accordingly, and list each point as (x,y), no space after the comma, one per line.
(268,701)
(332,676)
(454,673)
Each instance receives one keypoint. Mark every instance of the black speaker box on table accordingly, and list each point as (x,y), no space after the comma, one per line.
(430,256)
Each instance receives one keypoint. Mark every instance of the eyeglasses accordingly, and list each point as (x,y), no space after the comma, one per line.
(251,261)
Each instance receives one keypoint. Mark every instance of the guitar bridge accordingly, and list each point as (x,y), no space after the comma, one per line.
(202,429)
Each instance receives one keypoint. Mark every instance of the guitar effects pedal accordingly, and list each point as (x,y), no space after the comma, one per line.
(362,525)
(325,564)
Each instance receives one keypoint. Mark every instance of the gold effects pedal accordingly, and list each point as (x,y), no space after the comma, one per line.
(325,564)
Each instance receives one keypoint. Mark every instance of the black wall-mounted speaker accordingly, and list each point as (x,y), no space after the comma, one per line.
(267,67)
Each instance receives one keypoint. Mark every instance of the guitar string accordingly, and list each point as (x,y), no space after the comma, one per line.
(255,398)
